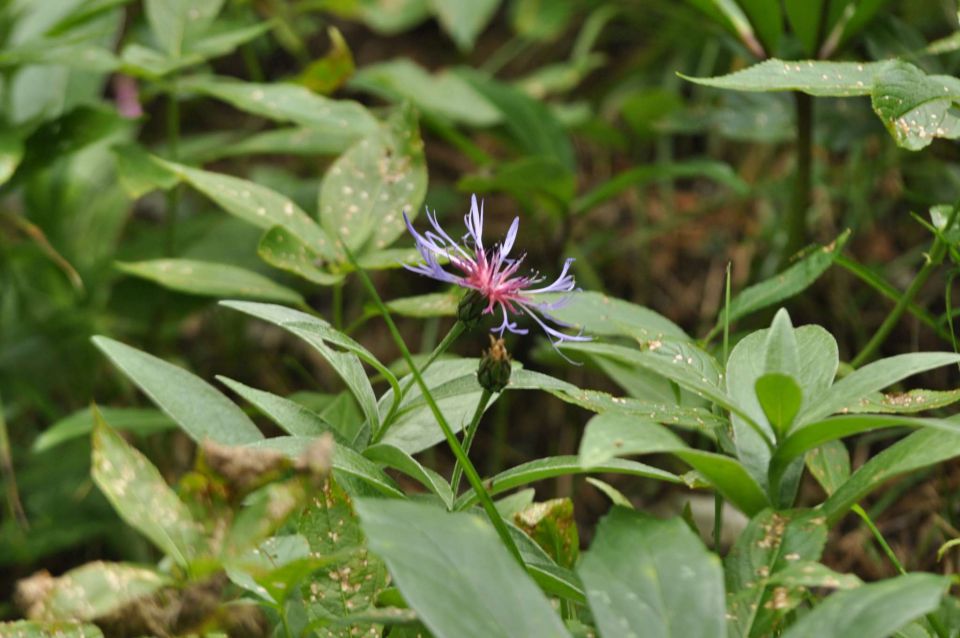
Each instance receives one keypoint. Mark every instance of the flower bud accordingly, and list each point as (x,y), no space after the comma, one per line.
(494,371)
(471,308)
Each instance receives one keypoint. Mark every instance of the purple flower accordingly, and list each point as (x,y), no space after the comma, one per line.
(493,274)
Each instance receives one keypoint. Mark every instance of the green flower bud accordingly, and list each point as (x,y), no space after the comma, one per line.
(494,371)
(471,308)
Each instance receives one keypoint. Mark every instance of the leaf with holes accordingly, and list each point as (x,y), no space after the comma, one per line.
(367,188)
(140,496)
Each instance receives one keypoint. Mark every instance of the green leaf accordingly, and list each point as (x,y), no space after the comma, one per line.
(443,94)
(916,107)
(289,415)
(96,589)
(284,102)
(551,524)
(346,462)
(921,449)
(436,304)
(176,22)
(138,421)
(869,379)
(530,122)
(11,152)
(367,188)
(806,20)
(284,249)
(542,20)
(196,406)
(874,610)
(771,543)
(396,458)
(139,172)
(328,73)
(34,629)
(789,283)
(464,20)
(321,335)
(255,204)
(830,465)
(918,400)
(644,576)
(831,79)
(226,40)
(525,178)
(609,435)
(601,315)
(554,466)
(451,567)
(804,573)
(211,280)
(390,17)
(351,585)
(767,21)
(780,397)
(140,496)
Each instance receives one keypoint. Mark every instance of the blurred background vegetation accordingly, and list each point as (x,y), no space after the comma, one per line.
(568,113)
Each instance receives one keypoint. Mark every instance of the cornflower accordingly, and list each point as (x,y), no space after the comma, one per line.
(493,274)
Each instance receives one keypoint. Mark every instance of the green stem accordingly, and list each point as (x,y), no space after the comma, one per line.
(468,436)
(442,347)
(800,202)
(937,252)
(9,477)
(471,473)
(173,147)
(859,511)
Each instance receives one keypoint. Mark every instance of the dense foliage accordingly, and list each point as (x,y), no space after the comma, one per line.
(246,384)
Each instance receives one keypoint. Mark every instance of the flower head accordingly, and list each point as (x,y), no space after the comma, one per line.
(492,273)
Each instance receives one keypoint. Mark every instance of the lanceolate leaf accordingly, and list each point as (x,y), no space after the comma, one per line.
(211,279)
(834,79)
(196,406)
(141,497)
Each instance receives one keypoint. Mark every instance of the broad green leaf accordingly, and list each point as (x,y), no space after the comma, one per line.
(139,172)
(196,406)
(138,421)
(321,336)
(211,280)
(836,427)
(649,577)
(464,20)
(255,204)
(248,569)
(832,79)
(530,122)
(288,140)
(175,22)
(288,103)
(553,579)
(351,585)
(869,379)
(99,588)
(367,188)
(140,496)
(391,17)
(346,462)
(443,94)
(553,466)
(785,285)
(806,20)
(804,573)
(780,397)
(226,39)
(874,610)
(921,449)
(600,315)
(35,629)
(916,107)
(284,249)
(609,435)
(719,172)
(290,416)
(436,304)
(396,458)
(451,567)
(771,543)
(830,465)
(264,512)
(328,73)
(11,152)
(389,258)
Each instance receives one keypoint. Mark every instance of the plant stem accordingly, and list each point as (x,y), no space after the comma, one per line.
(468,436)
(859,511)
(173,147)
(938,251)
(800,202)
(472,477)
(9,477)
